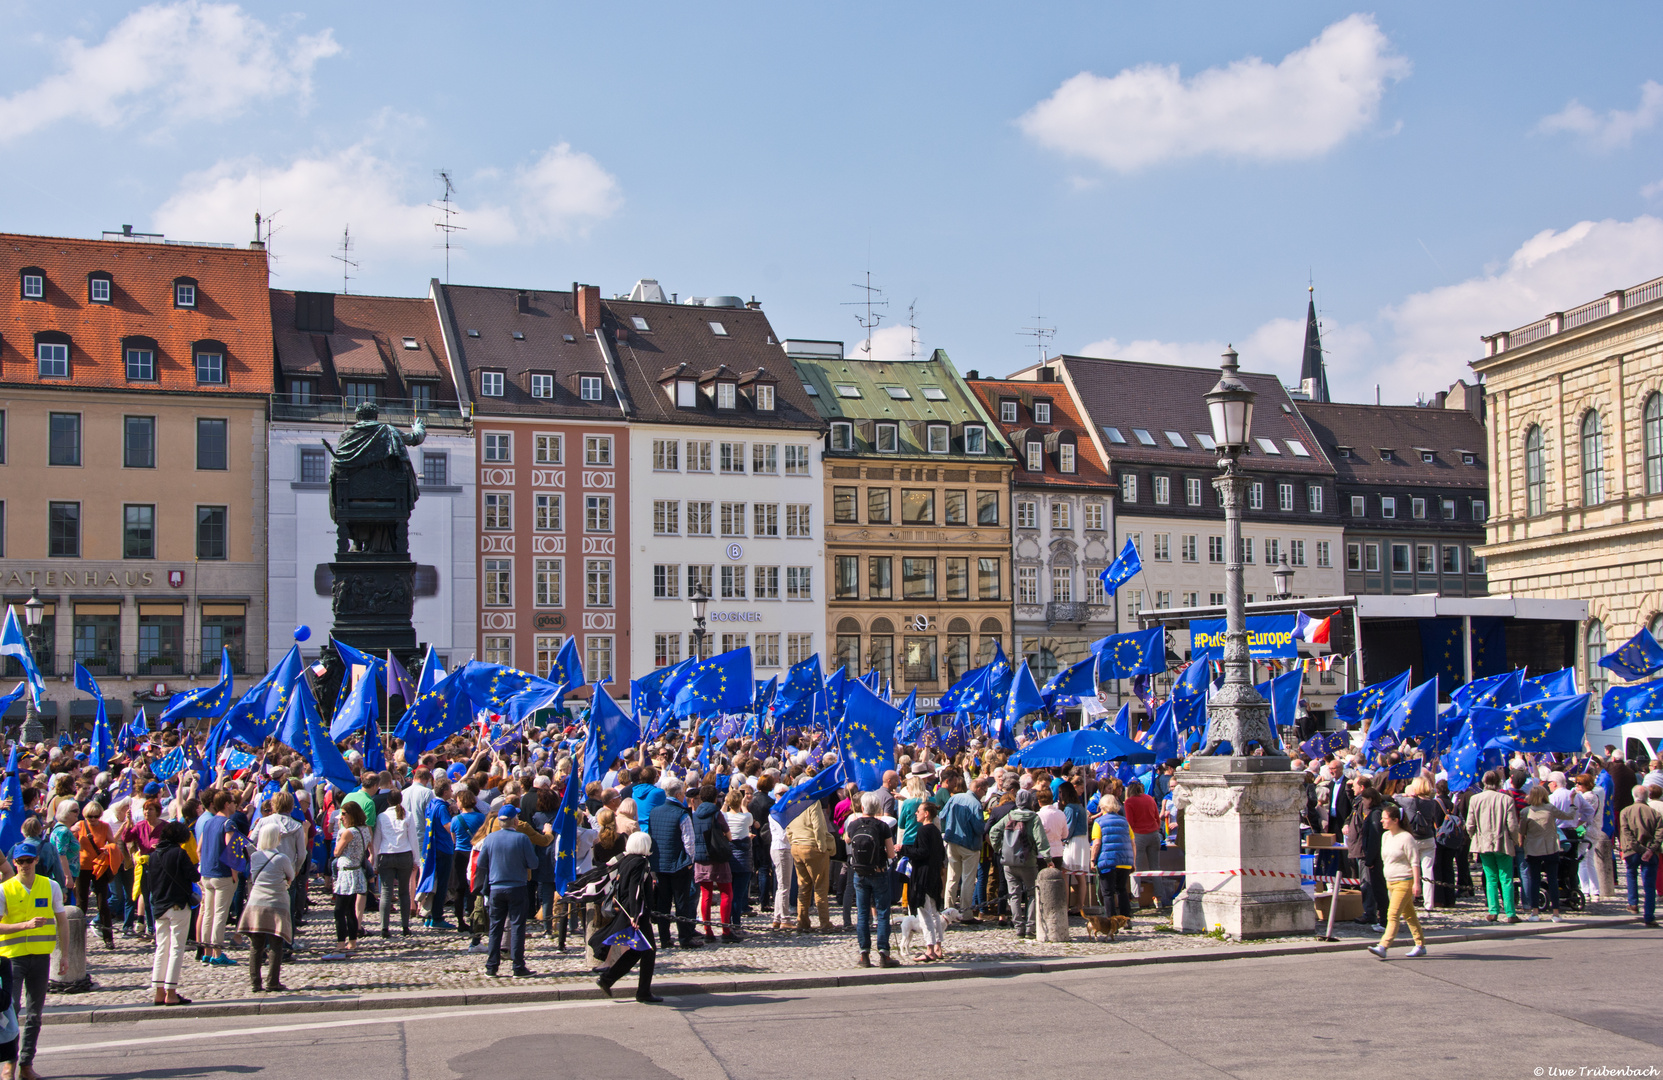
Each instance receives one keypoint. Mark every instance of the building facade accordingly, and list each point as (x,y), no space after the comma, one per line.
(1576,442)
(1413,492)
(134,380)
(1062,521)
(918,540)
(726,479)
(333,353)
(553,491)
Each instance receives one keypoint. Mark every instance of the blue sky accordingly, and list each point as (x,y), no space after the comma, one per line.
(1156,182)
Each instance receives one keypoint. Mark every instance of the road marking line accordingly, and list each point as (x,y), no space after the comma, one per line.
(278,1028)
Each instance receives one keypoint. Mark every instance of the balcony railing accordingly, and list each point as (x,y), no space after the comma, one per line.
(1559,321)
(1064,612)
(335,409)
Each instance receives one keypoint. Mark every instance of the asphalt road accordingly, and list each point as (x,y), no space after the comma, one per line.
(1509,1008)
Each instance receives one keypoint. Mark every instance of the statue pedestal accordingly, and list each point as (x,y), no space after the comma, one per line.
(375,596)
(1242,814)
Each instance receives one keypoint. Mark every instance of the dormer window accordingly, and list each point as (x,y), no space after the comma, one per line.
(687,394)
(410,343)
(764,398)
(542,386)
(1344,452)
(100,287)
(33,283)
(184,292)
(1065,457)
(589,387)
(1036,457)
(936,439)
(842,436)
(639,323)
(1428,457)
(1469,459)
(888,439)
(1007,411)
(975,439)
(727,395)
(1042,412)
(52,354)
(1385,454)
(210,363)
(490,384)
(139,357)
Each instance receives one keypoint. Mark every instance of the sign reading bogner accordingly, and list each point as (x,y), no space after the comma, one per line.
(1267,636)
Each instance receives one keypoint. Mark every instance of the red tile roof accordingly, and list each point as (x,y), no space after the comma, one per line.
(1089,467)
(231,308)
(368,343)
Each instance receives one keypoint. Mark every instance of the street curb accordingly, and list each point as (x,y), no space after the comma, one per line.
(770,982)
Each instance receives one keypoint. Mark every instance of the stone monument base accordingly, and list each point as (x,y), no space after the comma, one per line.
(1241,849)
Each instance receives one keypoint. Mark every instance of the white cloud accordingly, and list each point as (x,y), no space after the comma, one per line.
(1425,342)
(1299,108)
(315,197)
(185,61)
(1616,128)
(889,343)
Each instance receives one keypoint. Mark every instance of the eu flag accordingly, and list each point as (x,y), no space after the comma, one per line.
(1637,658)
(327,761)
(11,824)
(567,672)
(1022,698)
(912,723)
(866,738)
(565,833)
(837,692)
(1549,726)
(611,732)
(810,791)
(1417,714)
(375,755)
(802,680)
(1076,680)
(1124,568)
(207,701)
(1406,770)
(724,683)
(361,709)
(1122,656)
(1283,694)
(256,713)
(1631,705)
(1561,683)
(1501,691)
(103,745)
(1163,736)
(1461,761)
(436,715)
(1372,701)
(169,764)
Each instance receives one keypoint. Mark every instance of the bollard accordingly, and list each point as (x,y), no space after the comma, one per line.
(69,959)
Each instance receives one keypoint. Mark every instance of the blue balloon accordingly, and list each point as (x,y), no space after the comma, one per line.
(301,633)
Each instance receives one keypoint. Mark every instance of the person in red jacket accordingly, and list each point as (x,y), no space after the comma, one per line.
(1143,814)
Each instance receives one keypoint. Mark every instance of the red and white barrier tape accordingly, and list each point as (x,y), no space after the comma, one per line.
(1243,872)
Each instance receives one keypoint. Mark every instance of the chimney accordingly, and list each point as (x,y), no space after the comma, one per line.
(972,374)
(522,302)
(314,312)
(588,306)
(1047,374)
(753,305)
(1439,398)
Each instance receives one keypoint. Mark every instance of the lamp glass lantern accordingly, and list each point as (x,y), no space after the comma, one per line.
(699,602)
(1281,576)
(34,611)
(1230,405)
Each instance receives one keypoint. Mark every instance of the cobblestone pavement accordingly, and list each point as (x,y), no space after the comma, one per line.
(438,959)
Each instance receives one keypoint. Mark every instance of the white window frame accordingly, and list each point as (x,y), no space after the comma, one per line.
(548,583)
(597,450)
(490,383)
(542,386)
(975,439)
(842,435)
(937,440)
(548,448)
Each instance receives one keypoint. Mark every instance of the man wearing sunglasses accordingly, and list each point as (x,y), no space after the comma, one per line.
(29,928)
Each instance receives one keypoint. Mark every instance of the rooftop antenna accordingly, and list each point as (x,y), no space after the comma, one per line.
(1040,333)
(444,224)
(348,263)
(912,325)
(871,320)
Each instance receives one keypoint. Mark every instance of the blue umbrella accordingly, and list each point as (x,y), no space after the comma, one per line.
(1081,746)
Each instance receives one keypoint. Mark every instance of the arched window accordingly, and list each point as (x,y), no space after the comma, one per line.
(1598,677)
(1535,471)
(1654,444)
(1656,627)
(1593,461)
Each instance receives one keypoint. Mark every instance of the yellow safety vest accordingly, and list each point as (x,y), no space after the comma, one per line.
(21,906)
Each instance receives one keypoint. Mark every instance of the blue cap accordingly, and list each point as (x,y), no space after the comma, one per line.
(508,810)
(153,788)
(26,849)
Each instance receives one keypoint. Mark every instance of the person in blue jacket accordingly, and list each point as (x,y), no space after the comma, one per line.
(1111,853)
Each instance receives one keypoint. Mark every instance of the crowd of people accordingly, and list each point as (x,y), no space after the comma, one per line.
(678,845)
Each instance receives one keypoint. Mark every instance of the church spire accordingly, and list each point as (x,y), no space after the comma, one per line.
(1313,374)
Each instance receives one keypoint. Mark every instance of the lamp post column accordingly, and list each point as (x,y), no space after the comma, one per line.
(33,612)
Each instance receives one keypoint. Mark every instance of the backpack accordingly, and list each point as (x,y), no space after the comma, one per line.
(865,852)
(1453,832)
(1417,822)
(1017,848)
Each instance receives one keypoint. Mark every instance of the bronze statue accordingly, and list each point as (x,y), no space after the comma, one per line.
(372,484)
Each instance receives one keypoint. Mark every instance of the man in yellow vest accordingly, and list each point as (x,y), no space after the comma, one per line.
(29,928)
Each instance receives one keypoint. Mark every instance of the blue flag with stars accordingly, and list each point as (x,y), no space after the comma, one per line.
(1631,705)
(1022,698)
(1372,702)
(256,713)
(912,721)
(805,794)
(207,701)
(1549,726)
(1076,680)
(866,738)
(362,708)
(11,825)
(565,834)
(803,680)
(437,713)
(1462,760)
(103,744)
(1561,683)
(1123,656)
(567,672)
(169,764)
(327,761)
(1501,691)
(1127,565)
(724,683)
(1417,714)
(1639,657)
(837,691)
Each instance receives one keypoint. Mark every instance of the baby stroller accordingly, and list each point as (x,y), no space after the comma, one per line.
(1570,884)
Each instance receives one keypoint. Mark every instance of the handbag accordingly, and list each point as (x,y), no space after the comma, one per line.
(8,1024)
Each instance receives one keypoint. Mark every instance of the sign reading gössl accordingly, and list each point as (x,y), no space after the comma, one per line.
(1267,636)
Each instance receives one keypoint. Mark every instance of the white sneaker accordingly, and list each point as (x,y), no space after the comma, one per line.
(1379,928)
(1533,917)
(1378,950)
(480,948)
(1418,950)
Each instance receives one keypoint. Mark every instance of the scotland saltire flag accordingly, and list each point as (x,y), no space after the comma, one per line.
(866,738)
(1631,705)
(812,790)
(1561,683)
(361,709)
(13,643)
(1122,656)
(1637,658)
(205,701)
(1417,713)
(724,683)
(1552,725)
(1127,565)
(103,745)
(256,713)
(1076,680)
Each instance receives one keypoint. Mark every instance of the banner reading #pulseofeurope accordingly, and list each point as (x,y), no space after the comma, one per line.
(1267,636)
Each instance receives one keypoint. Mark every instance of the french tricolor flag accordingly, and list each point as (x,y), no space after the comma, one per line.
(1308,629)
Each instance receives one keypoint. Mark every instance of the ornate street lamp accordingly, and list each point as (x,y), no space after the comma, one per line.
(697,595)
(1281,576)
(33,612)
(1239,716)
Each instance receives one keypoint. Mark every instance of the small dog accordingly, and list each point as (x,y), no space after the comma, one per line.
(912,926)
(1107,926)
(950,917)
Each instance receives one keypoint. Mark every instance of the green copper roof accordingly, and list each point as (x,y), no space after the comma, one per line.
(913,393)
